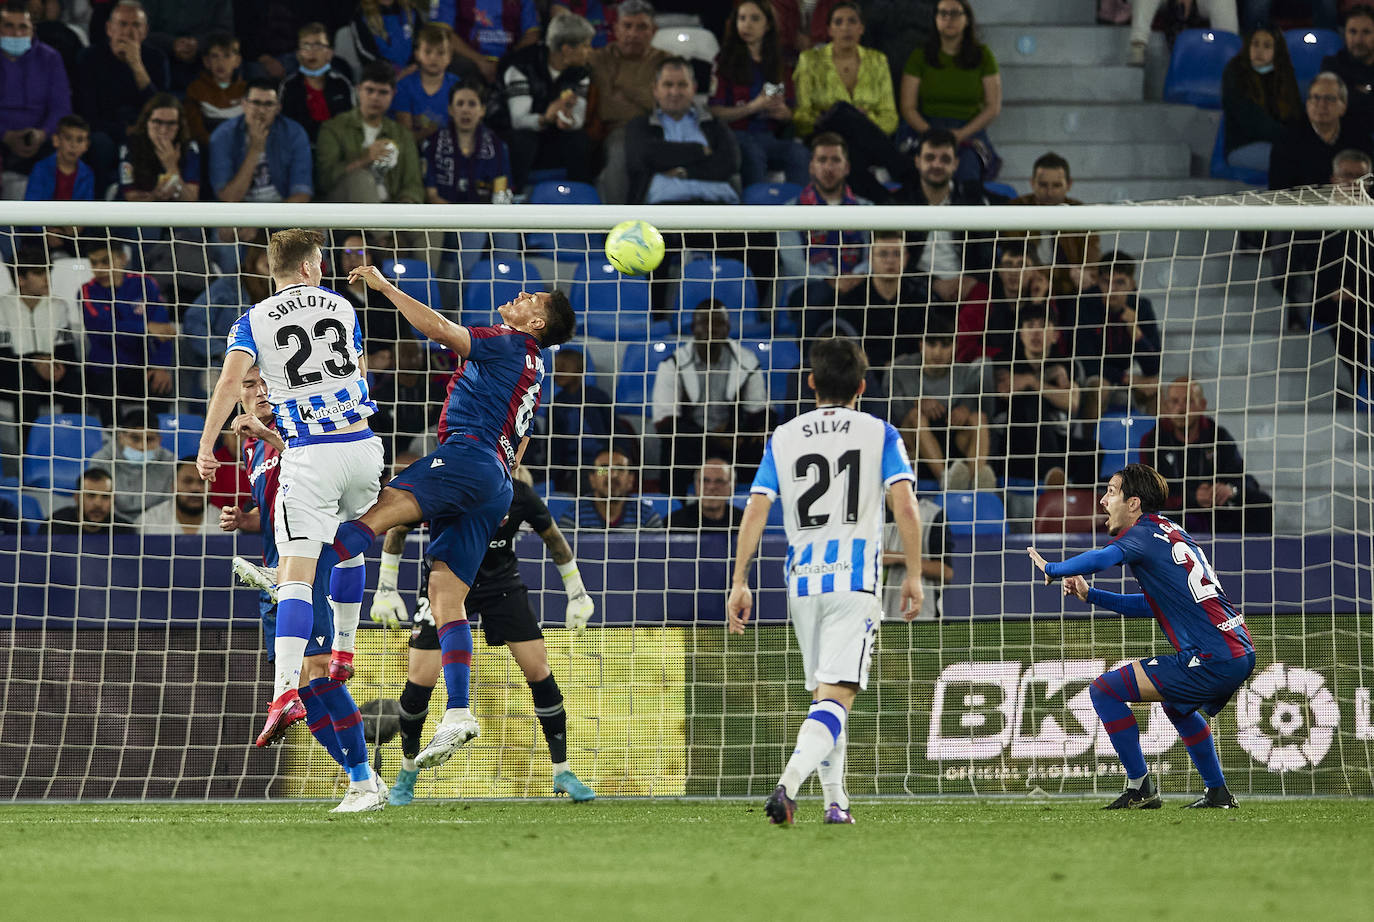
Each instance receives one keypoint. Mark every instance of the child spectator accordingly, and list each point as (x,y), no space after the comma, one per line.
(62,176)
(421,103)
(143,470)
(217,94)
(318,91)
(129,331)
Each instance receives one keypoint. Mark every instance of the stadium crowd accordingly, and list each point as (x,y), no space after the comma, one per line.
(995,357)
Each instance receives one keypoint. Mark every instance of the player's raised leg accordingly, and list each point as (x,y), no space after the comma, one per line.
(1111,694)
(346,589)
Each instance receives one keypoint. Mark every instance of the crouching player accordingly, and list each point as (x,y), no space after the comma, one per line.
(501,603)
(324,702)
(1181,591)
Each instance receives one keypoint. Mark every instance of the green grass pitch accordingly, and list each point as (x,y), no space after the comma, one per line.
(974,859)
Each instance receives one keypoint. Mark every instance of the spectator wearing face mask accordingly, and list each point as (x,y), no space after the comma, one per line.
(144,471)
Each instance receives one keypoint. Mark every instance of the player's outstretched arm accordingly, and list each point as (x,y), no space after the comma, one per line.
(908,518)
(580,606)
(1132,605)
(388,607)
(222,400)
(428,321)
(741,602)
(1079,564)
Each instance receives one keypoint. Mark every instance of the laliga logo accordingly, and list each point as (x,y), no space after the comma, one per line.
(1278,741)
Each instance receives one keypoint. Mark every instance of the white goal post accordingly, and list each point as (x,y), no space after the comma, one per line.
(131,666)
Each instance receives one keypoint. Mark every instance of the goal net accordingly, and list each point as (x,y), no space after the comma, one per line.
(1025,354)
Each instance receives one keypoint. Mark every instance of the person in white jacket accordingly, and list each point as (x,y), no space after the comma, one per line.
(710,398)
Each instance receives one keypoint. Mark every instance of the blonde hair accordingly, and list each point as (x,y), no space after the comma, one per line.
(289,248)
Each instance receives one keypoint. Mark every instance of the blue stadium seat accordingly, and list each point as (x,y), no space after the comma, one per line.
(1307,47)
(771,193)
(1199,57)
(30,510)
(57,450)
(779,359)
(492,283)
(612,306)
(1005,190)
(567,247)
(972,512)
(634,384)
(417,279)
(1220,169)
(180,432)
(1119,435)
(728,281)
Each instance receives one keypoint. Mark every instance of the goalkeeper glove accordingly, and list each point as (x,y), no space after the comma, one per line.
(580,605)
(388,607)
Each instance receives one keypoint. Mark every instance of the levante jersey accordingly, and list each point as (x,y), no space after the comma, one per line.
(493,395)
(500,570)
(261,460)
(831,468)
(1180,588)
(308,344)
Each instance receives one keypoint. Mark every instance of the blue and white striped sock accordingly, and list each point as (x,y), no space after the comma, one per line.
(295,615)
(817,737)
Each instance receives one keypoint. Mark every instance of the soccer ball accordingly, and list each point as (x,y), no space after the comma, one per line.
(634,247)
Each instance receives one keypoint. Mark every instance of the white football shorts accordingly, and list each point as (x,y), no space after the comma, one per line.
(836,632)
(322,486)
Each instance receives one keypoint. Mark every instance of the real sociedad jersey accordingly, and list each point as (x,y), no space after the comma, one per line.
(493,395)
(831,468)
(307,343)
(1180,587)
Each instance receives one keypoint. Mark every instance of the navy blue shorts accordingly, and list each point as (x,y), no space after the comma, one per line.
(463,491)
(321,637)
(1191,683)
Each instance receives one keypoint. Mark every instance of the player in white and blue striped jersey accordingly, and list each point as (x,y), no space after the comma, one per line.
(307,343)
(831,467)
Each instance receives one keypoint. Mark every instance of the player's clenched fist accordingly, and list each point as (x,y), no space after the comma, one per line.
(388,608)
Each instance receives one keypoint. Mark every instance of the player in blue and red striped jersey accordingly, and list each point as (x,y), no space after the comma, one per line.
(463,489)
(323,702)
(1182,593)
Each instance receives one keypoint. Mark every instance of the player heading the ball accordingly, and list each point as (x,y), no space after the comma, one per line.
(463,489)
(831,468)
(1182,593)
(308,345)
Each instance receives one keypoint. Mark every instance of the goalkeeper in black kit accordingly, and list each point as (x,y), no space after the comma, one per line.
(501,603)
